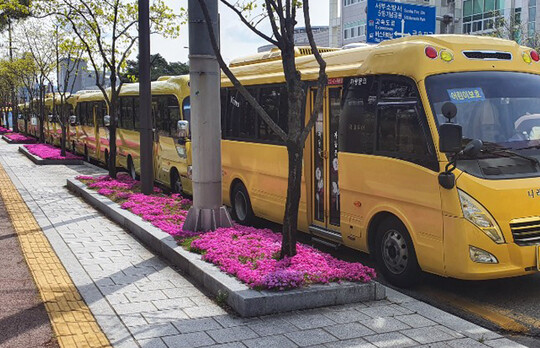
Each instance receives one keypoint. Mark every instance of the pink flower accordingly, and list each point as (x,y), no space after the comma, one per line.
(20,138)
(248,253)
(46,151)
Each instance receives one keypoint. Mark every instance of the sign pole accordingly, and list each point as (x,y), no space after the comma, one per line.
(207,212)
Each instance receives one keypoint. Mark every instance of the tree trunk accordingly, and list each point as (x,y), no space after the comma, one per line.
(63,140)
(290,220)
(41,115)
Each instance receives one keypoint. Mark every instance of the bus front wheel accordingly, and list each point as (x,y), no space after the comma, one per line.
(396,258)
(176,183)
(131,169)
(241,205)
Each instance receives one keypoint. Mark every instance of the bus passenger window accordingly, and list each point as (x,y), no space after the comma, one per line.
(126,113)
(186,109)
(174,114)
(242,117)
(136,114)
(357,121)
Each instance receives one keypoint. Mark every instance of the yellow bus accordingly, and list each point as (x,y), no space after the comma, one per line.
(372,164)
(91,137)
(22,117)
(170,104)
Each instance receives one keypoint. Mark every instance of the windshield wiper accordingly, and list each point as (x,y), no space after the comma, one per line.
(494,148)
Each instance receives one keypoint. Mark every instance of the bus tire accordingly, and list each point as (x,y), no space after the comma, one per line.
(395,254)
(175,182)
(241,205)
(131,169)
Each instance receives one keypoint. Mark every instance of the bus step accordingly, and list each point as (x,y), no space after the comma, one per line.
(328,243)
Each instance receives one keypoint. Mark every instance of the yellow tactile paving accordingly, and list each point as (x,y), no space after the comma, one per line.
(71,319)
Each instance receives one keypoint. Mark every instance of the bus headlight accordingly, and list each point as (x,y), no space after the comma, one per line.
(480,217)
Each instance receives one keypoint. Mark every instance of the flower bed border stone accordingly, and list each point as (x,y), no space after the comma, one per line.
(40,161)
(245,301)
(9,141)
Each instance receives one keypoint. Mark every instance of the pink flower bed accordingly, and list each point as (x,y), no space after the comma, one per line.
(46,151)
(250,254)
(17,137)
(4,130)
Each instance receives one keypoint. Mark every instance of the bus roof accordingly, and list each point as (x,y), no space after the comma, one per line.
(405,56)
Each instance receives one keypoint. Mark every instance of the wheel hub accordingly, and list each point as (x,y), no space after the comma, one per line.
(394,251)
(240,205)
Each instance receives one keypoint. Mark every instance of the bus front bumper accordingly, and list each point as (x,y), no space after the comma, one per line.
(512,259)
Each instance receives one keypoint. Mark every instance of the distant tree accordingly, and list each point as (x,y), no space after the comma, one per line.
(107,29)
(158,67)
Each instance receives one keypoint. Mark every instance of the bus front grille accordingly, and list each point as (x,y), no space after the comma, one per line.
(526,231)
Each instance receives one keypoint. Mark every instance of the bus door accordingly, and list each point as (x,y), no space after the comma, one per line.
(324,177)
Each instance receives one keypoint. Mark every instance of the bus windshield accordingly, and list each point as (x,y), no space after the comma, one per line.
(493,106)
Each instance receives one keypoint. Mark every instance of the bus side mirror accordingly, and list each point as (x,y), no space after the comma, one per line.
(107,120)
(51,118)
(183,129)
(72,120)
(450,135)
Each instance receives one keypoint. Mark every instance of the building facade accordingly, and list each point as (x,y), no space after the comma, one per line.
(514,19)
(320,35)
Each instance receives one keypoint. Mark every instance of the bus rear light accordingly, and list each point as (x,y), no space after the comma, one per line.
(535,56)
(447,56)
(526,58)
(431,52)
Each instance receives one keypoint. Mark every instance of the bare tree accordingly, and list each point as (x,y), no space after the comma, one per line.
(282,17)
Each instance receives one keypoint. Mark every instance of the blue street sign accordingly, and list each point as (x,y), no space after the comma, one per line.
(389,20)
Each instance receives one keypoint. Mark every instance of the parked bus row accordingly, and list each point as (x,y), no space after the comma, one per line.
(385,168)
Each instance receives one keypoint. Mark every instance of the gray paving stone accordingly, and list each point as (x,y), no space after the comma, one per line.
(135,319)
(391,339)
(502,343)
(145,296)
(153,331)
(310,337)
(347,331)
(187,291)
(190,340)
(195,325)
(415,320)
(230,345)
(270,341)
(130,308)
(466,342)
(380,311)
(231,334)
(230,320)
(346,316)
(387,324)
(152,343)
(204,311)
(354,343)
(429,335)
(309,321)
(182,302)
(272,327)
(165,316)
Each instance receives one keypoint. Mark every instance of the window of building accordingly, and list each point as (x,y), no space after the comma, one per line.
(483,16)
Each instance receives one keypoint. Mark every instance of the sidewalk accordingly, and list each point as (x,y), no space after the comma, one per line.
(141,301)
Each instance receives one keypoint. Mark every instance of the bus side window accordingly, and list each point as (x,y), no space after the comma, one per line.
(174,114)
(241,117)
(401,129)
(136,114)
(357,121)
(126,113)
(274,101)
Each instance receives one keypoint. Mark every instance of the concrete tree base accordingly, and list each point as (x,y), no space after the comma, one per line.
(199,219)
(245,301)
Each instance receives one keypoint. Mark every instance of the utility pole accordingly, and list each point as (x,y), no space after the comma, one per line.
(12,86)
(207,212)
(145,101)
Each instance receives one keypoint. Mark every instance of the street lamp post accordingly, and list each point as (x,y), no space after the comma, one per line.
(145,106)
(207,212)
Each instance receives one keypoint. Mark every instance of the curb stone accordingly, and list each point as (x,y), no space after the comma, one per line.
(245,301)
(40,161)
